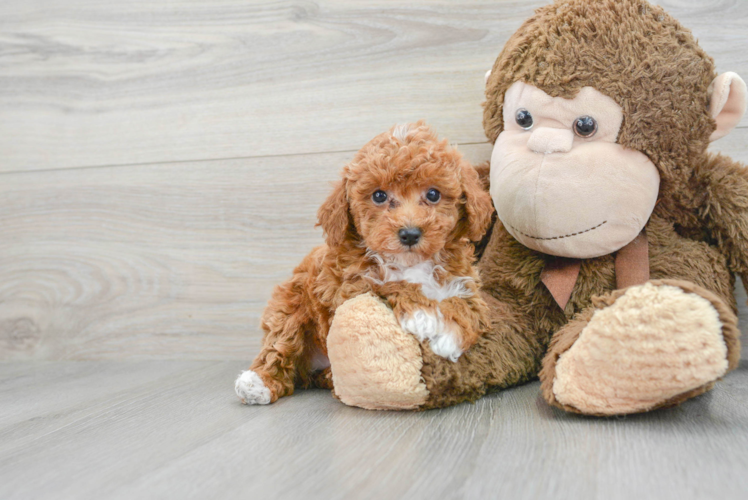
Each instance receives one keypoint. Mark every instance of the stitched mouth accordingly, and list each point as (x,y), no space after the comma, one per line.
(559,237)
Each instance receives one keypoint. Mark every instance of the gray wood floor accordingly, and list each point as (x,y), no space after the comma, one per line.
(161,164)
(173,429)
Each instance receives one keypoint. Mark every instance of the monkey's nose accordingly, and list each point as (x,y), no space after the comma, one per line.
(547,140)
(409,236)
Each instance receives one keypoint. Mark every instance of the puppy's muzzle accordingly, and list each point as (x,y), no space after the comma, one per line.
(409,236)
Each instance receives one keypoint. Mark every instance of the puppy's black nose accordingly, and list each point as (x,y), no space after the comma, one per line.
(409,236)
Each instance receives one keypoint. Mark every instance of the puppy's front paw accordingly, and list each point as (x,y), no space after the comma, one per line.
(445,342)
(251,390)
(443,337)
(421,323)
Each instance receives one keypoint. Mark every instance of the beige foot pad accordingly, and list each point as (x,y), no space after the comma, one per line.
(651,345)
(375,365)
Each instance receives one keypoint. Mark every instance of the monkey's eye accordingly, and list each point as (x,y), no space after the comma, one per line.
(379,197)
(433,195)
(524,119)
(585,126)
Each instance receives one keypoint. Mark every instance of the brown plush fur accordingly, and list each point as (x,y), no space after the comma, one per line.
(405,163)
(652,67)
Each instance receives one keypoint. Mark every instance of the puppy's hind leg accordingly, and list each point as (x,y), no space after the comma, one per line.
(286,321)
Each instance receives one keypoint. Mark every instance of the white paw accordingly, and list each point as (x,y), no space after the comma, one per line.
(251,390)
(424,325)
(442,336)
(444,344)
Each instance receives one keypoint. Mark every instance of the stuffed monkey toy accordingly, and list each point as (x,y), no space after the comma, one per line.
(609,274)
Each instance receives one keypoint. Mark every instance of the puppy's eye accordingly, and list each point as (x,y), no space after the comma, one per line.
(524,119)
(379,197)
(433,195)
(585,126)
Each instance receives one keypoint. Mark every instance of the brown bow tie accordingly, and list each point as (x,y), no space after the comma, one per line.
(632,268)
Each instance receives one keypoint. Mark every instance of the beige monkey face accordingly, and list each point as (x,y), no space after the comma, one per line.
(562,185)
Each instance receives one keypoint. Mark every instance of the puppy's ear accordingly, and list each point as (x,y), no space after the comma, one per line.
(478,204)
(334,215)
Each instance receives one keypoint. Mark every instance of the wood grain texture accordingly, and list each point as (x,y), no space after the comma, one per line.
(91,82)
(173,429)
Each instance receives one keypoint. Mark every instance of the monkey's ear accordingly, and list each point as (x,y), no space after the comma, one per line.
(727,103)
(477,204)
(334,216)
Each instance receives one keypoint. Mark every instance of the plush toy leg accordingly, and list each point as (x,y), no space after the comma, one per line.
(374,363)
(642,348)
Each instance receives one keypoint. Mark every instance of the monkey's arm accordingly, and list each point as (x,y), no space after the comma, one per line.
(725,209)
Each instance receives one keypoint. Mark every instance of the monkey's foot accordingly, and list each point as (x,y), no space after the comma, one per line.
(375,364)
(645,347)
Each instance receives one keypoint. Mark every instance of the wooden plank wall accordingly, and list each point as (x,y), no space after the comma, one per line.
(161,163)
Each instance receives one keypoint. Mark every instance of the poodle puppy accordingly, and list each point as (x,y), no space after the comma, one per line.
(399,225)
